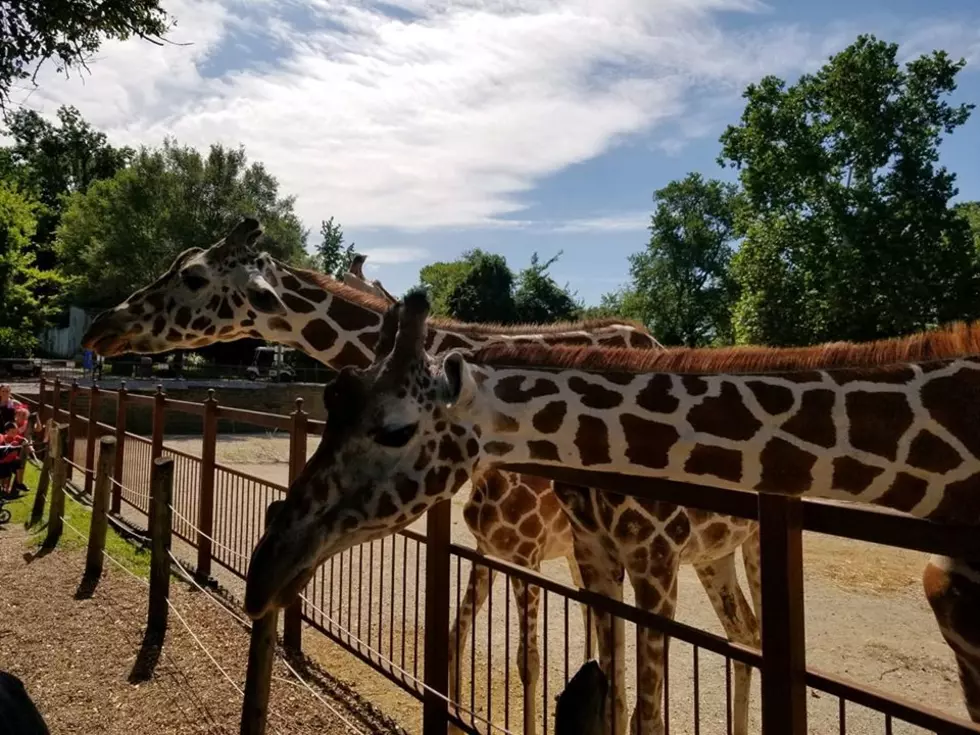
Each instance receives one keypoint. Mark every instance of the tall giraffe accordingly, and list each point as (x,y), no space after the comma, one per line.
(230,291)
(892,423)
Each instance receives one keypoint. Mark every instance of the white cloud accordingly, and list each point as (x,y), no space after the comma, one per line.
(442,119)
(393,256)
(622,222)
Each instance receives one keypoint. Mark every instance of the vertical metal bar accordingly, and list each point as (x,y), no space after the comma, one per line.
(507,588)
(697,692)
(42,384)
(490,672)
(418,555)
(56,400)
(72,408)
(404,595)
(437,534)
(544,665)
(91,436)
(292,619)
(205,490)
(117,470)
(784,632)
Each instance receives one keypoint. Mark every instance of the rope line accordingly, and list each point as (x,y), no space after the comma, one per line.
(220,545)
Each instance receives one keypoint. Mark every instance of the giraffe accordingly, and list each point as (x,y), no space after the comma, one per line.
(891,423)
(230,291)
(354,277)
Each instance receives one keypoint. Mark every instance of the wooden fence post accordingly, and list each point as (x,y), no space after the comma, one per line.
(205,499)
(161,492)
(156,439)
(292,620)
(56,399)
(41,385)
(42,484)
(100,508)
(261,654)
(92,435)
(120,456)
(783,626)
(59,476)
(72,409)
(435,712)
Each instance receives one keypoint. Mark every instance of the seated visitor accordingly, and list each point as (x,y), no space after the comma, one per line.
(8,406)
(11,443)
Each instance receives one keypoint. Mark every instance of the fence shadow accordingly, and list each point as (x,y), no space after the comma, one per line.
(147,658)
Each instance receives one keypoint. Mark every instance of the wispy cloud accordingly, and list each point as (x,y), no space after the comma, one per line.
(393,256)
(622,222)
(417,114)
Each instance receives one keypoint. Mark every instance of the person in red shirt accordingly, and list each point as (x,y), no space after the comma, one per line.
(11,443)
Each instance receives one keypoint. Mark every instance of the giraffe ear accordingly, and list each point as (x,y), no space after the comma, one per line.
(455,381)
(263,298)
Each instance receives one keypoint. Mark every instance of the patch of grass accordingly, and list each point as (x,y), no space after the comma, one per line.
(135,558)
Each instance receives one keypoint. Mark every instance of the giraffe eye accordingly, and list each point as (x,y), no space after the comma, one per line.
(395,437)
(193,281)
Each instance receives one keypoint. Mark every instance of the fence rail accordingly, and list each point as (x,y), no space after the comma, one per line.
(389,603)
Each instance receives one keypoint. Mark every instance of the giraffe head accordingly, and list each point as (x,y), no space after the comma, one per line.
(205,296)
(354,277)
(391,449)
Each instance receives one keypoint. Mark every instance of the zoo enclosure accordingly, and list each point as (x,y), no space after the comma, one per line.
(402,623)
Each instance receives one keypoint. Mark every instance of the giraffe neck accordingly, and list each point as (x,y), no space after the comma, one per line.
(338,324)
(905,439)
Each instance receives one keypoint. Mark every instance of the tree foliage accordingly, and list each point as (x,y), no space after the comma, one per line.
(332,256)
(680,285)
(69,32)
(848,232)
(123,231)
(29,294)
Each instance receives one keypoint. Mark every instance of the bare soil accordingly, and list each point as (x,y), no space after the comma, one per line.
(866,618)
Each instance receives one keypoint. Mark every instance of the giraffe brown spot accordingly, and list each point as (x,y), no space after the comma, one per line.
(607,512)
(213,302)
(201,342)
(714,534)
(544,450)
(694,385)
(725,464)
(592,441)
(594,395)
(662,553)
(517,503)
(423,459)
(550,418)
(200,323)
(494,484)
(803,376)
(291,283)
(369,340)
(316,295)
(550,507)
(419,509)
(159,324)
(350,355)
(568,339)
(183,317)
(227,329)
(537,484)
(526,551)
(488,517)
(647,442)
(452,341)
(135,308)
(449,450)
(894,374)
(632,526)
(960,503)
(510,389)
(251,315)
(617,341)
(814,421)
(459,478)
(576,502)
(386,508)
(173,335)
(639,560)
(638,339)
(785,468)
(211,329)
(319,334)
(436,480)
(248,322)
(352,318)
(225,311)
(472,447)
(237,300)
(255,333)
(945,397)
(457,430)
(679,529)
(505,537)
(774,399)
(878,421)
(647,595)
(906,492)
(471,515)
(498,448)
(929,452)
(156,301)
(724,415)
(617,378)
(656,396)
(297,305)
(406,488)
(279,324)
(853,476)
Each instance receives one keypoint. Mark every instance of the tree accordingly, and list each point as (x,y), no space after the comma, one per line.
(538,299)
(440,279)
(486,292)
(51,161)
(681,287)
(970,212)
(331,255)
(32,33)
(847,225)
(123,231)
(29,294)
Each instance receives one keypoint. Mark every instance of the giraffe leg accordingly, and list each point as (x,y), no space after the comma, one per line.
(604,575)
(590,643)
(477,589)
(752,562)
(952,587)
(721,583)
(528,659)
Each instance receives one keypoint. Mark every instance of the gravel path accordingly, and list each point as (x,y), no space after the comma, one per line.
(866,620)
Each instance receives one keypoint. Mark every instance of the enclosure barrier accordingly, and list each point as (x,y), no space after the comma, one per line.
(218,512)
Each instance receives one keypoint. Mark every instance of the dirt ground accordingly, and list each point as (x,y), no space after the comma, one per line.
(82,660)
(866,619)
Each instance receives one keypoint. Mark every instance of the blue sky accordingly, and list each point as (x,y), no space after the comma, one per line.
(428,127)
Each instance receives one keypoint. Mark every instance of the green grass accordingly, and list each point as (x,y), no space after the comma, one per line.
(128,554)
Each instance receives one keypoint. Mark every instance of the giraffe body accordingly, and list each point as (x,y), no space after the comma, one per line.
(229,291)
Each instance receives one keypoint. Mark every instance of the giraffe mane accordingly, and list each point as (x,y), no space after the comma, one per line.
(957,340)
(369,301)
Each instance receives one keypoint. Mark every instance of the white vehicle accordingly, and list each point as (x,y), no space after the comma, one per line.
(272,363)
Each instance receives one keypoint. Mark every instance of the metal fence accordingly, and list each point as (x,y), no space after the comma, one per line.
(390,603)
